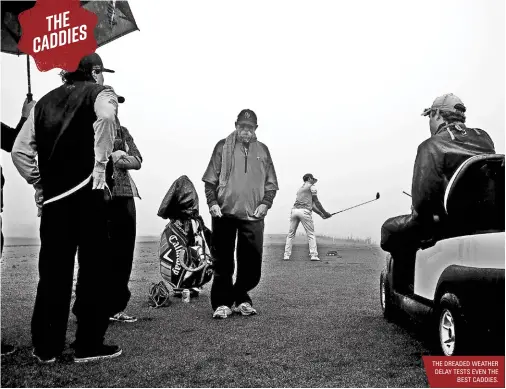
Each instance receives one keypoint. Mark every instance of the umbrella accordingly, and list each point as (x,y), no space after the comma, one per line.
(115,19)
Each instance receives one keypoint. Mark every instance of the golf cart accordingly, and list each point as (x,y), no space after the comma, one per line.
(459,277)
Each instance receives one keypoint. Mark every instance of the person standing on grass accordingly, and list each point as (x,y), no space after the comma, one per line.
(9,135)
(305,202)
(122,219)
(240,186)
(63,150)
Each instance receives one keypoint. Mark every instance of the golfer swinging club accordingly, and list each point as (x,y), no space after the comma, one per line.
(306,202)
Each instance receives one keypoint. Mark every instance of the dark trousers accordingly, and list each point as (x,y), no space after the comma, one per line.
(122,231)
(76,222)
(250,239)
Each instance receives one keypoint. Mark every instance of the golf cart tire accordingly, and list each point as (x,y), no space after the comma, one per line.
(453,335)
(387,306)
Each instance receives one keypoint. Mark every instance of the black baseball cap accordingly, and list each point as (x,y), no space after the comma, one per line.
(247,116)
(93,62)
(309,176)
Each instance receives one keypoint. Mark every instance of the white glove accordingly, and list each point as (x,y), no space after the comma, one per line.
(98,176)
(39,199)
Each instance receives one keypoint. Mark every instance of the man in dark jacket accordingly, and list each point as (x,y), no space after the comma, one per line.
(240,185)
(8,137)
(438,157)
(71,130)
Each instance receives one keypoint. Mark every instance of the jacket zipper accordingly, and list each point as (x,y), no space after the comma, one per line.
(245,160)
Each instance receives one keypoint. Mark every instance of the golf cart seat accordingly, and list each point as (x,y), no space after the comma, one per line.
(474,198)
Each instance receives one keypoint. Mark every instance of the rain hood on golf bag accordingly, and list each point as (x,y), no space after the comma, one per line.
(185,257)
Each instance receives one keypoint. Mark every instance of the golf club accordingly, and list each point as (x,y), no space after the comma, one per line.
(407,194)
(355,206)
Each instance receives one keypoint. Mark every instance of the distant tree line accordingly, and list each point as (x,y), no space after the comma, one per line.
(351,238)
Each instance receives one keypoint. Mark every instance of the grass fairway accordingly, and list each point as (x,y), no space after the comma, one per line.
(319,325)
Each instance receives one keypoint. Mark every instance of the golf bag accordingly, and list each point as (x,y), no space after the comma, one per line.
(184,253)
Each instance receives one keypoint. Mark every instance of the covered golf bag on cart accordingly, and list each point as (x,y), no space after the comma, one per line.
(184,253)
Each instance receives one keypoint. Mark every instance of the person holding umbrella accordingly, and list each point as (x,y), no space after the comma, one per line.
(9,135)
(306,201)
(114,20)
(71,130)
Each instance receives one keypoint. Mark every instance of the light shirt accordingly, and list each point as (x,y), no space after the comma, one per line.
(24,151)
(304,198)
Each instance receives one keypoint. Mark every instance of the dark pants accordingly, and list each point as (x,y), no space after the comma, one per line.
(250,239)
(76,222)
(122,231)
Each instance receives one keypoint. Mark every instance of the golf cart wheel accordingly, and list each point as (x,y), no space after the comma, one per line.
(452,327)
(387,306)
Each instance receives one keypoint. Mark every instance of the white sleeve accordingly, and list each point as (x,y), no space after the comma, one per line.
(106,105)
(314,192)
(24,151)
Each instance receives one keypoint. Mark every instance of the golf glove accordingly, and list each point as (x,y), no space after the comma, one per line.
(39,199)
(98,176)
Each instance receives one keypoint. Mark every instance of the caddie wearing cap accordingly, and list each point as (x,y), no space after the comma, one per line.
(240,185)
(306,202)
(70,132)
(450,144)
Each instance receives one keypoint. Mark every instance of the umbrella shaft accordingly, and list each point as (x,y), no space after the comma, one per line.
(29,95)
(28,73)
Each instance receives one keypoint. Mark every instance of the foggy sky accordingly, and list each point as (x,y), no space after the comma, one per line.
(338,88)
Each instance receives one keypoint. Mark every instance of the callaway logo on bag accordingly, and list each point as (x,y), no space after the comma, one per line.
(185,260)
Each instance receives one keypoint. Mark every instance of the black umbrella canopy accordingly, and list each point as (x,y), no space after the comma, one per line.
(115,19)
(11,29)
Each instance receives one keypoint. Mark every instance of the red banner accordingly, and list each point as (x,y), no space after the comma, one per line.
(57,33)
(465,372)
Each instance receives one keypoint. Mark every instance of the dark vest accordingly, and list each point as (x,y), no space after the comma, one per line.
(65,136)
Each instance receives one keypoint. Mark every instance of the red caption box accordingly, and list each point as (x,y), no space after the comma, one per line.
(465,372)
